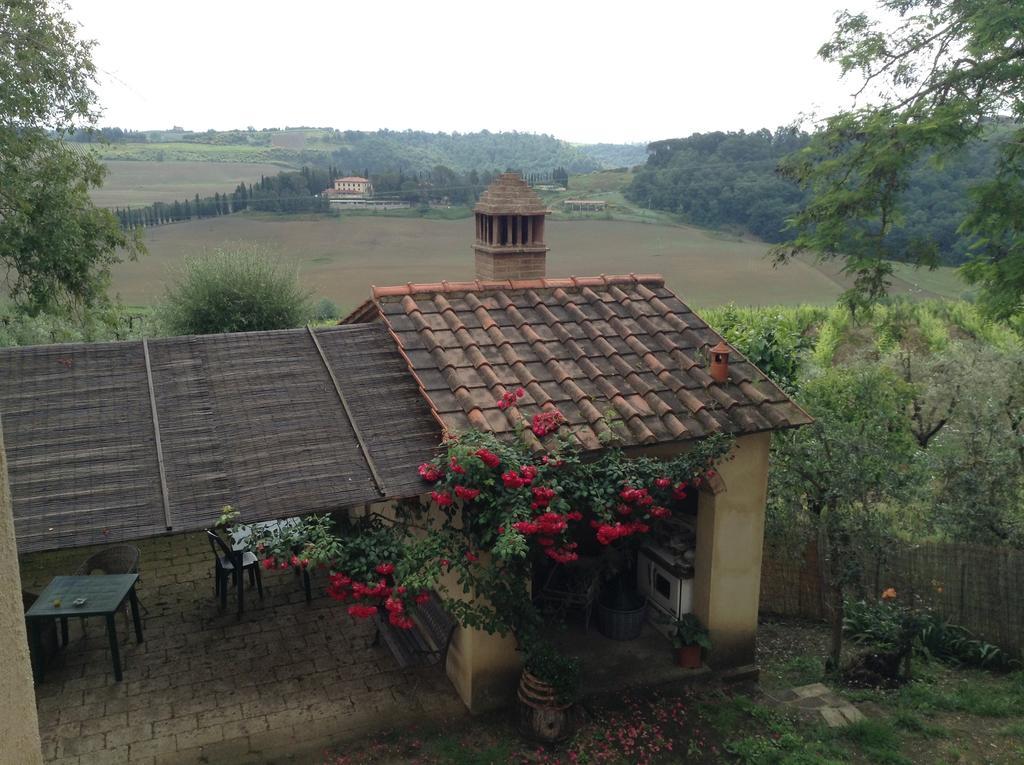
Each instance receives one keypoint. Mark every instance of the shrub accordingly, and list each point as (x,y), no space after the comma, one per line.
(240,290)
(553,667)
(888,626)
(772,340)
(106,321)
(325,310)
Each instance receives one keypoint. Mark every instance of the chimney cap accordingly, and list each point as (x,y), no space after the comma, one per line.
(720,362)
(509,194)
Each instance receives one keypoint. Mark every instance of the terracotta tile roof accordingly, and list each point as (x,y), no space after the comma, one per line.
(509,194)
(585,346)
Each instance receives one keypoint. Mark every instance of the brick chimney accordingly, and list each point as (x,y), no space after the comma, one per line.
(510,231)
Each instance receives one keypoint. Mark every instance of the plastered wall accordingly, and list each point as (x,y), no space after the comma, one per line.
(730,538)
(19,726)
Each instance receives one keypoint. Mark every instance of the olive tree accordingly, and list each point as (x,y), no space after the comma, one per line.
(842,474)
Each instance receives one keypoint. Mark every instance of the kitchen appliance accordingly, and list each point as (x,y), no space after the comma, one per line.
(665,576)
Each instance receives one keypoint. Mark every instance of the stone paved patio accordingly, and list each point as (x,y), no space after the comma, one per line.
(278,685)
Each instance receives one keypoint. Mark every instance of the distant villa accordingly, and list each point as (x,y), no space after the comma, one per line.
(351,186)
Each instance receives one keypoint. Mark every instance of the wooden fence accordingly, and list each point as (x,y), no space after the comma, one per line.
(976,586)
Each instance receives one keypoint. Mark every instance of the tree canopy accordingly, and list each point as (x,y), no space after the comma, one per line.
(55,245)
(934,84)
(729,180)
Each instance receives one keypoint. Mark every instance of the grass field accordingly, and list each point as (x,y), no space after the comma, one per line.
(178,151)
(340,258)
(132,182)
(945,716)
(290,147)
(607,185)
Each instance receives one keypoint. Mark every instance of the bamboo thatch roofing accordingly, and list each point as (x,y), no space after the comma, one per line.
(274,423)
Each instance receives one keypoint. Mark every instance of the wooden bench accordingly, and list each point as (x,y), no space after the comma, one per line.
(426,643)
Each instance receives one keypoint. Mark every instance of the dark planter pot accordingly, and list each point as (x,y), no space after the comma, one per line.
(541,717)
(619,624)
(688,656)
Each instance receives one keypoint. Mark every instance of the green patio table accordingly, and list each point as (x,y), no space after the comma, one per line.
(103,595)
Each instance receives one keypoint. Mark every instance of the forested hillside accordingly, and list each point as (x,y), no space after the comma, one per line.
(383,151)
(729,180)
(415,151)
(611,156)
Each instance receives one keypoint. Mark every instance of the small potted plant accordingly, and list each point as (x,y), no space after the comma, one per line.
(689,638)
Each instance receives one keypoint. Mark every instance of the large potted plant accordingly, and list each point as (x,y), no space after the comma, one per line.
(547,693)
(689,638)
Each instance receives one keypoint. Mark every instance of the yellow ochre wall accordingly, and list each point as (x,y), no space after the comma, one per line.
(483,668)
(730,533)
(730,537)
(19,726)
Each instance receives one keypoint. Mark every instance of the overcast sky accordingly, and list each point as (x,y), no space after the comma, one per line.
(586,72)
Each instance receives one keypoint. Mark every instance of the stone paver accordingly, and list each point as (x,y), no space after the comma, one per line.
(287,678)
(809,691)
(819,700)
(833,717)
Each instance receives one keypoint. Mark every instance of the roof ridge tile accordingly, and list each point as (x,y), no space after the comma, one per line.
(444,286)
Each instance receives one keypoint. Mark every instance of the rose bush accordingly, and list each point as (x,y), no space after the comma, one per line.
(495,507)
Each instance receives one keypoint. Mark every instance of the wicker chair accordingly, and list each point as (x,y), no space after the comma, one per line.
(116,559)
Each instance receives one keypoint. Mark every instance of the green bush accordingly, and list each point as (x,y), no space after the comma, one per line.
(773,340)
(325,310)
(888,626)
(240,290)
(557,669)
(101,322)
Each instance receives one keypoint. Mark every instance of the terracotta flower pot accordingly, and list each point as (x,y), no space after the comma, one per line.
(688,656)
(541,716)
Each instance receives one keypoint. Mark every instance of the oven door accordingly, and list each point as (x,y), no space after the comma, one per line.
(661,587)
(664,589)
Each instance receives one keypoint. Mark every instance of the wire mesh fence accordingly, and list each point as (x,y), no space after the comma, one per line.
(976,586)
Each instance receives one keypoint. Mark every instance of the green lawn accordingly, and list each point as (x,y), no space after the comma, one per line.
(943,281)
(607,185)
(944,716)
